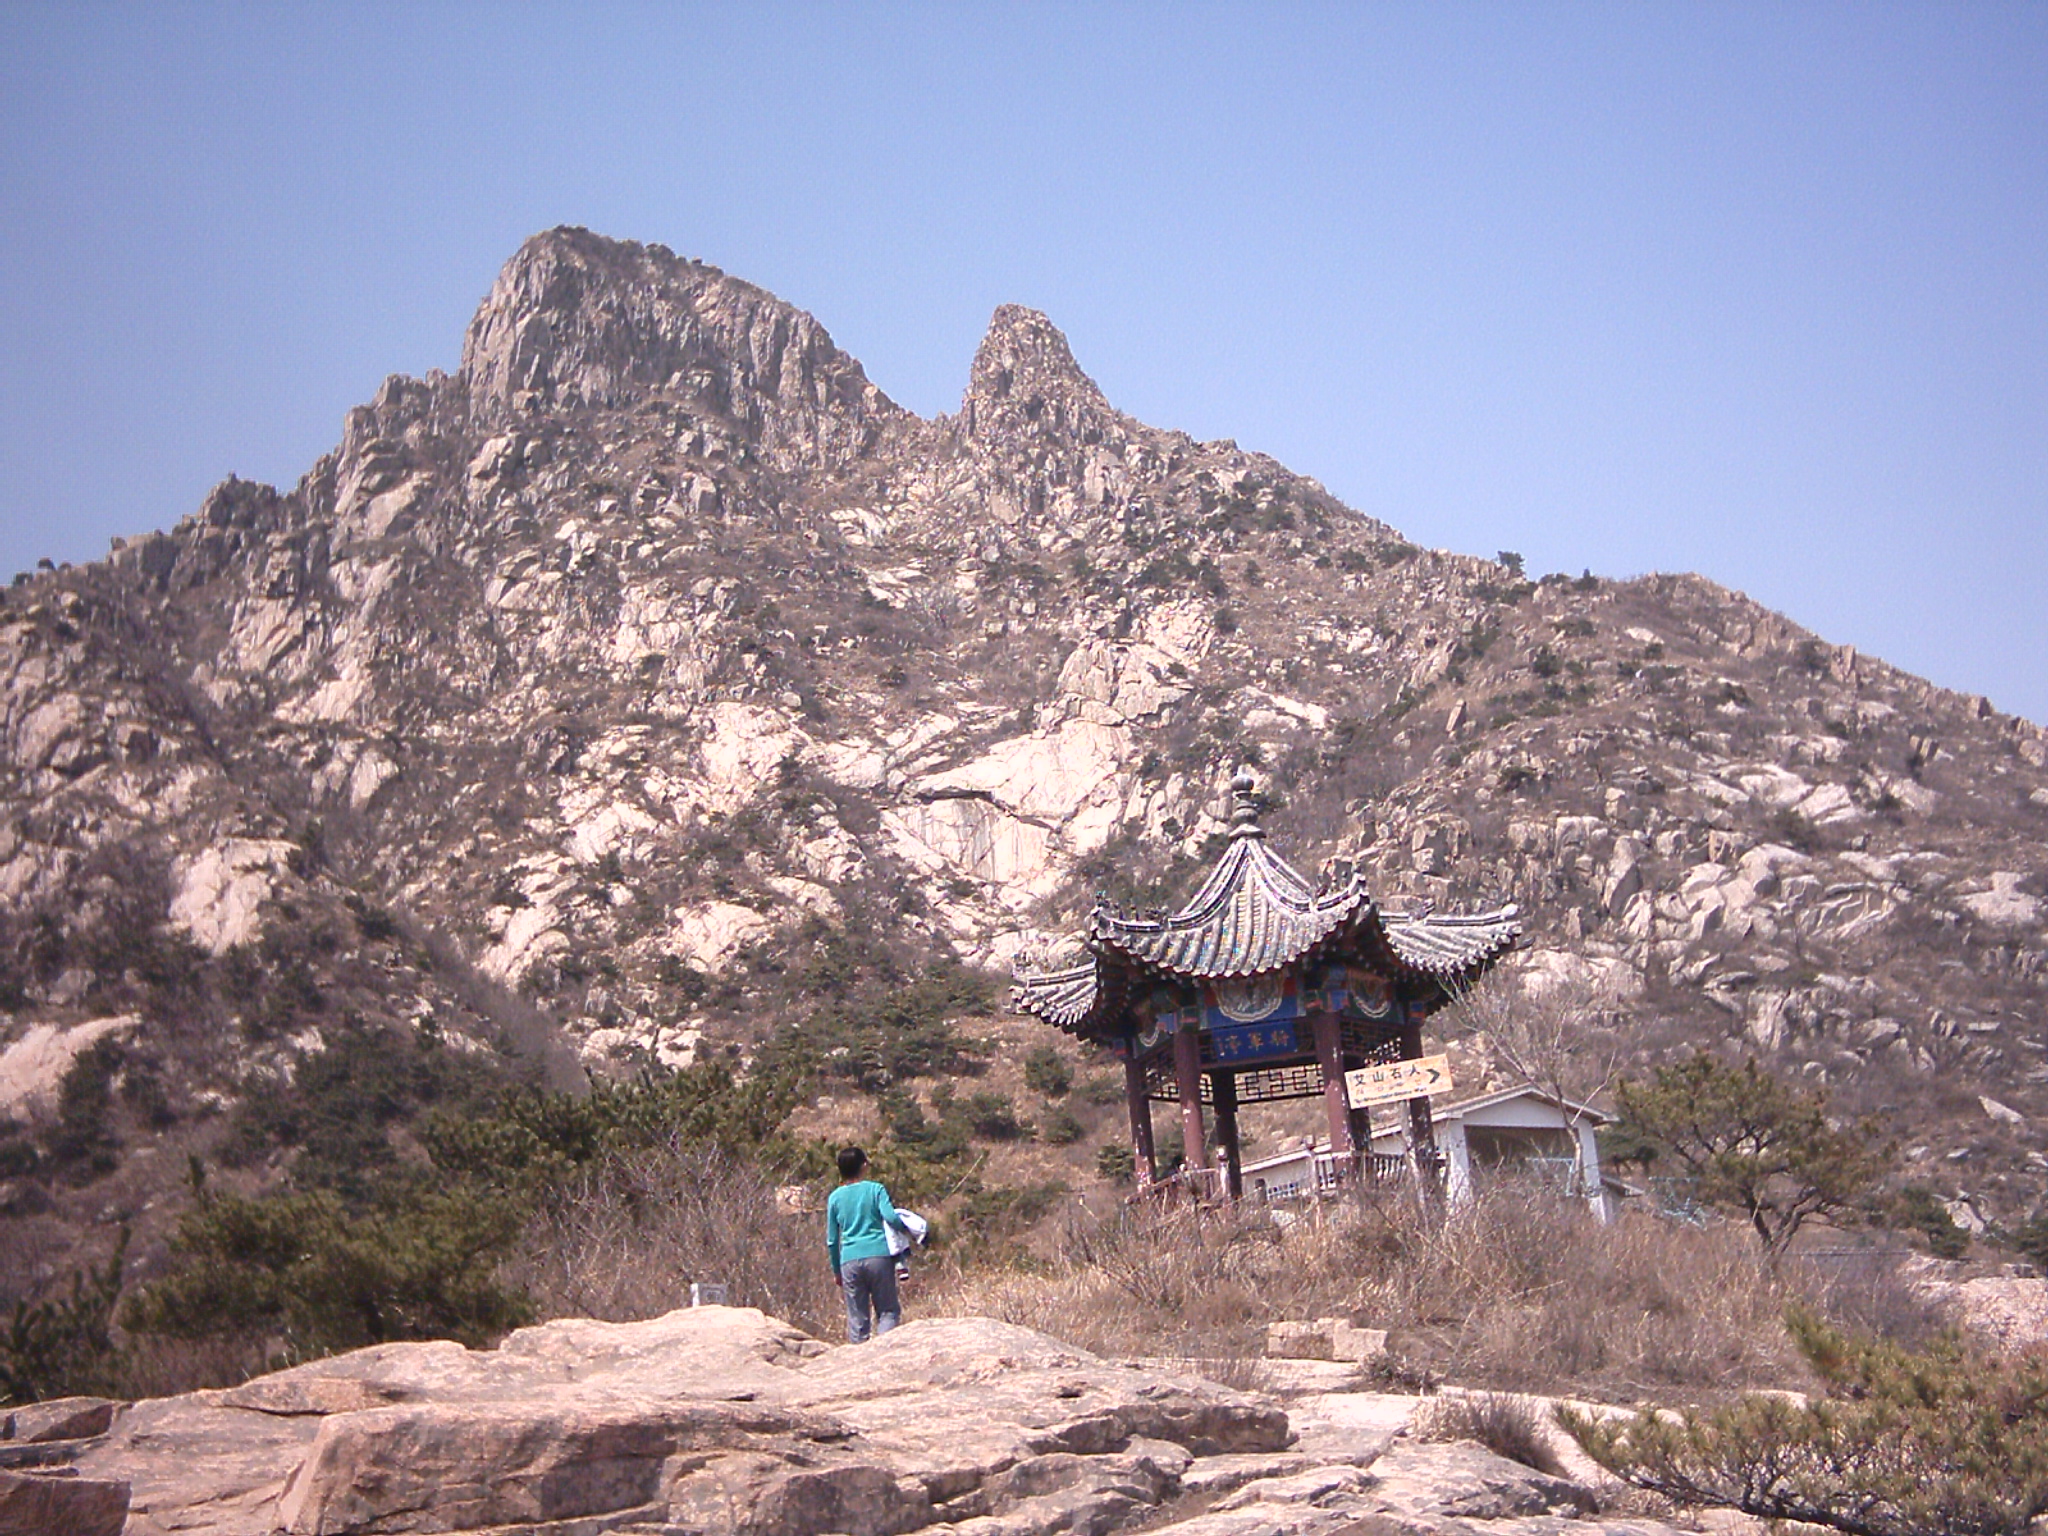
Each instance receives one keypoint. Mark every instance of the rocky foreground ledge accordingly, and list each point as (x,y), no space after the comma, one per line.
(721,1421)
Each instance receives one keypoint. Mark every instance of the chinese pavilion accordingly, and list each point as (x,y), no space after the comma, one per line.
(1261,988)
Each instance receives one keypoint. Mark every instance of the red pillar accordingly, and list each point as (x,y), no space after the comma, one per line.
(1144,1165)
(1223,1091)
(1361,1134)
(1330,1057)
(1421,1124)
(1187,1071)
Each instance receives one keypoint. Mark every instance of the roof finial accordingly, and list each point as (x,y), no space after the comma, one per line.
(1244,806)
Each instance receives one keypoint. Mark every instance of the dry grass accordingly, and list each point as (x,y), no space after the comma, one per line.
(628,1240)
(1510,1426)
(1518,1291)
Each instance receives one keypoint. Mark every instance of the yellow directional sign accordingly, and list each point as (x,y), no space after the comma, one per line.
(1397,1080)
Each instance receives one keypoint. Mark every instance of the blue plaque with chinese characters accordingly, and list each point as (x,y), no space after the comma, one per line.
(1252,1042)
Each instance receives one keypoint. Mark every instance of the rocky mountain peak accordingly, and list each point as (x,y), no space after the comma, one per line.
(658,677)
(1025,382)
(576,320)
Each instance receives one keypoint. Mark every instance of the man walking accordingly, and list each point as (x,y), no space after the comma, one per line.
(857,1222)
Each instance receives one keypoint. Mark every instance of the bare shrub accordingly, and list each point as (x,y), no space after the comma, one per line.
(1565,1038)
(153,1366)
(1871,1292)
(1518,1290)
(627,1238)
(1510,1426)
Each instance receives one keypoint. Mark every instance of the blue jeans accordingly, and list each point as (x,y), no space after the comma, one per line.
(870,1282)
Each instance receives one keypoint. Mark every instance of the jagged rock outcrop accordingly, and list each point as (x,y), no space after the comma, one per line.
(619,686)
(580,322)
(723,1422)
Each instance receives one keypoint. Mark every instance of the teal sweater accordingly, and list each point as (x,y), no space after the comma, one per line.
(857,1218)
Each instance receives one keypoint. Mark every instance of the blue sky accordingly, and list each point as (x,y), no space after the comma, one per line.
(1760,292)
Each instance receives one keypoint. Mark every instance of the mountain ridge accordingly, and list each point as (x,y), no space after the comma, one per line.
(654,681)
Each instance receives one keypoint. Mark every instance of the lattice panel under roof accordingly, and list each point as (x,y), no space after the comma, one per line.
(1255,1085)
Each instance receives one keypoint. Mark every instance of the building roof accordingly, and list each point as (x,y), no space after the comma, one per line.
(1463,1107)
(1255,914)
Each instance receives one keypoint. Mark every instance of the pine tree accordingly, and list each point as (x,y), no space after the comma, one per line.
(1940,1442)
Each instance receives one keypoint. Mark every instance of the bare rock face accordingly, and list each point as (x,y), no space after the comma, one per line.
(596,695)
(577,321)
(723,1422)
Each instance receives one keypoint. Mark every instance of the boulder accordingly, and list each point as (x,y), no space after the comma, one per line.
(1327,1338)
(711,1418)
(1461,1480)
(38,1504)
(467,1466)
(1297,1341)
(58,1418)
(725,1422)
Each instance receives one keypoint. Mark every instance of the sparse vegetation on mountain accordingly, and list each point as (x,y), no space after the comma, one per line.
(652,693)
(315,1275)
(1520,1292)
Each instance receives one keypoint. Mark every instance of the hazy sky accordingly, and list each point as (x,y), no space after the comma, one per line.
(1757,292)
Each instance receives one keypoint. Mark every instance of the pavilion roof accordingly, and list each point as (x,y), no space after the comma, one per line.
(1253,915)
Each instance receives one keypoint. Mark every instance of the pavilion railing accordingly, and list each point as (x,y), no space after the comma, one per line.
(1200,1186)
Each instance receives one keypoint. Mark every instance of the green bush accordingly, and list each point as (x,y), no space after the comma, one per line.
(907,1030)
(1046,1072)
(365,1248)
(1116,1163)
(345,1098)
(1917,1208)
(303,1267)
(1061,1129)
(1752,1141)
(927,1140)
(530,1140)
(64,1347)
(1906,1443)
(990,1214)
(1101,1089)
(992,1117)
(83,1144)
(2032,1241)
(18,1155)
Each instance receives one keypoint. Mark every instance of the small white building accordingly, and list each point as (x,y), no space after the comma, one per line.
(1524,1131)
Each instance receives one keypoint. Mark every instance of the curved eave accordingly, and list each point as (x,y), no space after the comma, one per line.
(1451,951)
(1079,999)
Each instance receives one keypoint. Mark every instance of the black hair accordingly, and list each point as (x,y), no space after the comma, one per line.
(851,1161)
